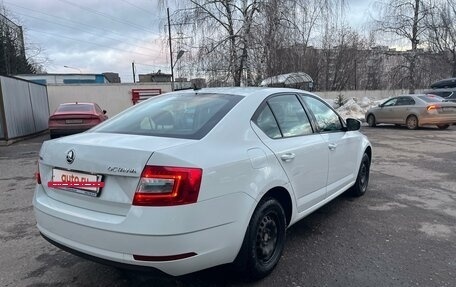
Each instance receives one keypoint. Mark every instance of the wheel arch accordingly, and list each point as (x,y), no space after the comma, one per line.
(282,195)
(412,114)
(368,151)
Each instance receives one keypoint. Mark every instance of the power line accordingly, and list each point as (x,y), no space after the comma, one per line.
(114,19)
(85,31)
(137,7)
(75,22)
(88,42)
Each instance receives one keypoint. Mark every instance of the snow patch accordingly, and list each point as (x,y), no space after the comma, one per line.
(357,108)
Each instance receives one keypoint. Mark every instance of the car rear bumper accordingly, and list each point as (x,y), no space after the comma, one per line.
(437,120)
(69,130)
(117,240)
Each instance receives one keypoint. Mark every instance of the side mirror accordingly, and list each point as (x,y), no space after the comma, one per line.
(380,105)
(353,124)
(104,112)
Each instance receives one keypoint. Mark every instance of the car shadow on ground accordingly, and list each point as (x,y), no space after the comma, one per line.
(401,127)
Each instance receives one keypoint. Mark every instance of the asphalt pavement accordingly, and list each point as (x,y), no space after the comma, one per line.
(401,233)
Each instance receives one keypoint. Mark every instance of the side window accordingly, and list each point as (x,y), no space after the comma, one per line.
(401,101)
(405,101)
(267,123)
(390,103)
(327,119)
(290,116)
(409,101)
(98,109)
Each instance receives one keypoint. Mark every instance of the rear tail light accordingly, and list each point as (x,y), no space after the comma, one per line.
(37,174)
(433,108)
(166,186)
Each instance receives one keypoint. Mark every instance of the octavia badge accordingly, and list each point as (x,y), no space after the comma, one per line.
(70,156)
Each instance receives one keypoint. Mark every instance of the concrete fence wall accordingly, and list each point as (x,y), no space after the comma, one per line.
(371,94)
(113,98)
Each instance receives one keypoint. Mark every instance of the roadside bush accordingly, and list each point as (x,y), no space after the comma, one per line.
(340,100)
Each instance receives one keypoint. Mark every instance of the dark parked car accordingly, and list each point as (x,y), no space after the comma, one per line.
(72,118)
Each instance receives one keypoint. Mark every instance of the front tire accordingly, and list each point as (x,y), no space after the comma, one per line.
(264,240)
(362,179)
(371,121)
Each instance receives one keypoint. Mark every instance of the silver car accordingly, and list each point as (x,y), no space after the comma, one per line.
(414,111)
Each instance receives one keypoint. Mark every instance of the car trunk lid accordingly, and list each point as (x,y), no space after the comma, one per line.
(115,159)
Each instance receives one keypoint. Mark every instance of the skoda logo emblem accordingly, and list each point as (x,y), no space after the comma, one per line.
(70,156)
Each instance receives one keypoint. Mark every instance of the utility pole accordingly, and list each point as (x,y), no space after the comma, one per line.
(170,51)
(133,69)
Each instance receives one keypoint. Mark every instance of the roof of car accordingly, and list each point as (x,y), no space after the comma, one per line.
(242,91)
(415,95)
(78,103)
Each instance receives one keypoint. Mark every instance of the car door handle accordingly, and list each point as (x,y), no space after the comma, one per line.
(287,156)
(332,146)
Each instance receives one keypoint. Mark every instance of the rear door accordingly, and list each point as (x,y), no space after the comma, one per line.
(287,131)
(402,109)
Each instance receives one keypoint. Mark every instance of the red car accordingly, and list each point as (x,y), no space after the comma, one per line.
(72,118)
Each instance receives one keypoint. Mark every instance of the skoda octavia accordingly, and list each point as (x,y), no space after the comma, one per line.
(193,179)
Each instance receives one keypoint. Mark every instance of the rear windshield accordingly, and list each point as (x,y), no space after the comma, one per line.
(189,116)
(431,98)
(75,108)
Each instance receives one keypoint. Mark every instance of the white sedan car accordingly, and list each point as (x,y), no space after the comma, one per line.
(194,179)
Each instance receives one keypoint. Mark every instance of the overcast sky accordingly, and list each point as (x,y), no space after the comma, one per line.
(95,36)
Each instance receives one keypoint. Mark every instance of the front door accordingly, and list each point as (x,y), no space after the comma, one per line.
(341,145)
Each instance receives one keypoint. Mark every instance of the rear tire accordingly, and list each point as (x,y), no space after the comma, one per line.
(264,240)
(412,122)
(362,179)
(371,121)
(443,127)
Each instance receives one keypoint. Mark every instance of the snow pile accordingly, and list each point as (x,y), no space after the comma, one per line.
(351,109)
(357,108)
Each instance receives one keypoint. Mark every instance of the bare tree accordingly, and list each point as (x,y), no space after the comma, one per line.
(13,50)
(442,32)
(406,19)
(242,41)
(222,31)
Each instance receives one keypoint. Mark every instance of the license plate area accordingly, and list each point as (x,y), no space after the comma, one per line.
(73,121)
(75,181)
